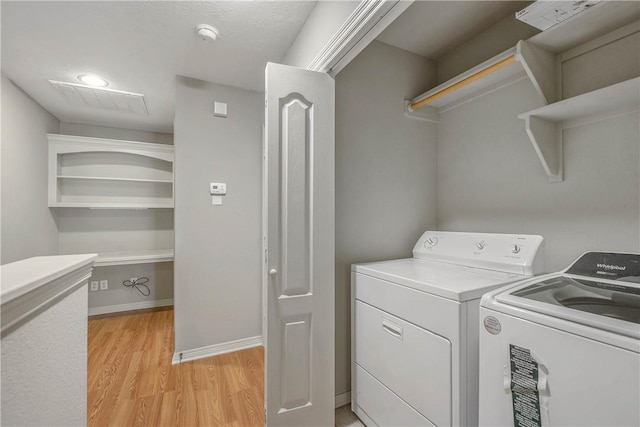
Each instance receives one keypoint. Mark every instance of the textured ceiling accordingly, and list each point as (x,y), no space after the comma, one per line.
(140,46)
(432,28)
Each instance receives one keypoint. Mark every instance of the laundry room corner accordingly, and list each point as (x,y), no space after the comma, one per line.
(490,179)
(380,156)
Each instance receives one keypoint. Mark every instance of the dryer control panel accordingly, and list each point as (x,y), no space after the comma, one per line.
(513,253)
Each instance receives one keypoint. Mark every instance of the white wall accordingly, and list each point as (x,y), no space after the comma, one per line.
(385,171)
(323,22)
(218,248)
(489,178)
(28,226)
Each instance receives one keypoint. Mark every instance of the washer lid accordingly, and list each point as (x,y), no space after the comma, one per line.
(602,298)
(599,290)
(459,283)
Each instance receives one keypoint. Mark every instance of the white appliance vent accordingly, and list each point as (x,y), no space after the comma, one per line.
(105,99)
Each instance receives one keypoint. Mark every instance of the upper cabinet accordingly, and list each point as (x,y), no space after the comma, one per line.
(101,173)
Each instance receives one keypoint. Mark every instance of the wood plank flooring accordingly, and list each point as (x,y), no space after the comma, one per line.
(131,381)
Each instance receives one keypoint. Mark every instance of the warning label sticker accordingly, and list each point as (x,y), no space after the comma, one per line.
(524,388)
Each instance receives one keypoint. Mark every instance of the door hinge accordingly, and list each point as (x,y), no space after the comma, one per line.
(265,415)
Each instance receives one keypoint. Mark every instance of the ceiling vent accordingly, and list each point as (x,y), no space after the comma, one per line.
(101,98)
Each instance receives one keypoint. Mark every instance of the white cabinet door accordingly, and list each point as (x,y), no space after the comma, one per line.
(299,279)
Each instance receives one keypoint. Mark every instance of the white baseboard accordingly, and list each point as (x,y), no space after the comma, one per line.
(343,399)
(93,311)
(216,349)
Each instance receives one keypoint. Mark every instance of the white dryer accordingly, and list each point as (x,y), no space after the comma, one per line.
(415,326)
(563,349)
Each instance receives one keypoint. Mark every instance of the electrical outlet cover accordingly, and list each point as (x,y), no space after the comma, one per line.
(104,285)
(94,285)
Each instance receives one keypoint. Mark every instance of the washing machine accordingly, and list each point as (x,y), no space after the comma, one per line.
(415,326)
(563,349)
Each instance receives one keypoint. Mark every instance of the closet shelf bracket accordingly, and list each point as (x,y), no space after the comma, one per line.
(547,141)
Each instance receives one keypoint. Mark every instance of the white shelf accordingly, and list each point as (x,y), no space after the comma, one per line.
(605,102)
(109,174)
(129,258)
(85,144)
(535,57)
(526,59)
(105,178)
(544,125)
(106,205)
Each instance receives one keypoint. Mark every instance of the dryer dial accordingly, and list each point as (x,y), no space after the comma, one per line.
(430,242)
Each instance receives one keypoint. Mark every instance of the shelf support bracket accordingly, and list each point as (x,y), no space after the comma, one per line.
(546,138)
(540,67)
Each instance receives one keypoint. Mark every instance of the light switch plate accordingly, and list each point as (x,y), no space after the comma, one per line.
(220,109)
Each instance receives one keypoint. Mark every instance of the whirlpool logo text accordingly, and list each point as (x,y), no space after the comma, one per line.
(612,267)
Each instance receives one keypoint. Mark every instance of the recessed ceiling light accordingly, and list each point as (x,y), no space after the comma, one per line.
(93,80)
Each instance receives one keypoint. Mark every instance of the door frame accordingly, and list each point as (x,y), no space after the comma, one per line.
(366,22)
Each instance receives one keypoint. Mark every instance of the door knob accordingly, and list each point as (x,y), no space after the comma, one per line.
(273,272)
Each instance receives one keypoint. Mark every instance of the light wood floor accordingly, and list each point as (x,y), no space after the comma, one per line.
(131,381)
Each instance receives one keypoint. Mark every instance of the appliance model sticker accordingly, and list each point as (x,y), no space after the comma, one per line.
(524,388)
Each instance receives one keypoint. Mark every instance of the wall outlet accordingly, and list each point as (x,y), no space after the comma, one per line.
(94,285)
(104,285)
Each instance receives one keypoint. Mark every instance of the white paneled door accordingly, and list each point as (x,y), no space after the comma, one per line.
(299,243)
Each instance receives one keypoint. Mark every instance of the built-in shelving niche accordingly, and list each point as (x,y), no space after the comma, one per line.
(100,173)
(109,174)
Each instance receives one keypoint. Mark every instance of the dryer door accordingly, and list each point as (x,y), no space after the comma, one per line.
(412,362)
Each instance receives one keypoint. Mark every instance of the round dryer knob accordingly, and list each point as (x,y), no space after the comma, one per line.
(515,249)
(480,245)
(430,242)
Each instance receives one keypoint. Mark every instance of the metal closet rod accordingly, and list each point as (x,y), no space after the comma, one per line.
(472,78)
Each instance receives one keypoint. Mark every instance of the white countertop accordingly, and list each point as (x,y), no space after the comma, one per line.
(21,277)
